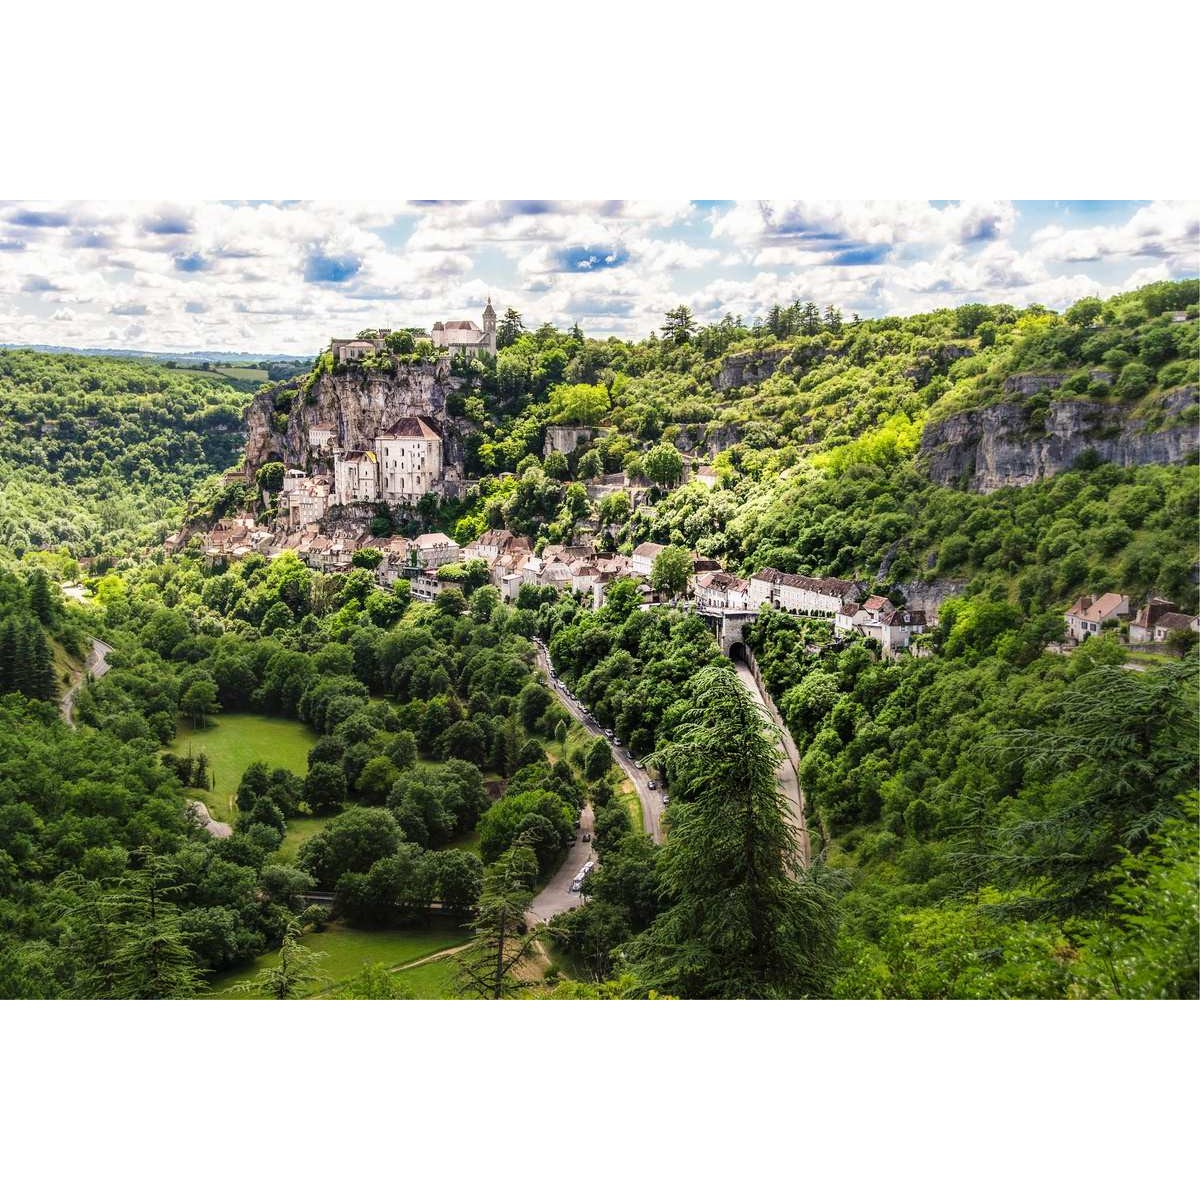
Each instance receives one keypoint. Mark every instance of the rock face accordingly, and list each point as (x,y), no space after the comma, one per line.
(566,439)
(357,404)
(751,366)
(995,447)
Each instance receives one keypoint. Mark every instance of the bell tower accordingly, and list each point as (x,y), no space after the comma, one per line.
(489,326)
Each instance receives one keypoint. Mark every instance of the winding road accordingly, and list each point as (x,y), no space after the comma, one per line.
(650,798)
(789,780)
(95,667)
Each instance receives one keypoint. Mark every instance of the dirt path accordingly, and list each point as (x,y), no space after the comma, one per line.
(95,667)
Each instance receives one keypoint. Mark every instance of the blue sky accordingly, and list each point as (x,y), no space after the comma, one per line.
(283,277)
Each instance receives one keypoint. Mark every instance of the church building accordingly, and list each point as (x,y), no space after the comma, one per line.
(465,337)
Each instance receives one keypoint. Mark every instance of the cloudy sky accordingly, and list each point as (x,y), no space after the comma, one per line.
(283,277)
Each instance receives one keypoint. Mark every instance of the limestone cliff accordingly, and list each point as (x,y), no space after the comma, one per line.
(748,366)
(357,404)
(1007,445)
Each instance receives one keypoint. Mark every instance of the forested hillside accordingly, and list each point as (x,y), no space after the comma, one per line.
(990,817)
(98,455)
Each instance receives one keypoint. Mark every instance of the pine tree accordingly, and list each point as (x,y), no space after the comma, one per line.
(8,655)
(40,602)
(833,319)
(43,685)
(144,956)
(509,329)
(745,919)
(810,320)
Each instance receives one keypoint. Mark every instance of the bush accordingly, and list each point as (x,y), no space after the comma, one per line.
(1135,381)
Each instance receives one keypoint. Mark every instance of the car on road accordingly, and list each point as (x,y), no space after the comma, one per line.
(608,733)
(575,885)
(639,766)
(587,837)
(616,741)
(652,785)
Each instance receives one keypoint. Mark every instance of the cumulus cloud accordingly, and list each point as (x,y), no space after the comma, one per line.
(286,276)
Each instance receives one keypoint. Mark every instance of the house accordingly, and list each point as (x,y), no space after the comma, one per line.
(352,349)
(798,593)
(897,627)
(1088,614)
(720,589)
(435,550)
(465,337)
(409,457)
(556,575)
(494,543)
(641,561)
(1157,619)
(320,436)
(427,586)
(1175,622)
(1143,627)
(304,500)
(356,477)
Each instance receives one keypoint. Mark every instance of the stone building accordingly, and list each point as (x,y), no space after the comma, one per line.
(409,455)
(798,593)
(356,477)
(1088,614)
(465,337)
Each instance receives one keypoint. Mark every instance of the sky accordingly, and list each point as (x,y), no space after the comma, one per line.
(283,277)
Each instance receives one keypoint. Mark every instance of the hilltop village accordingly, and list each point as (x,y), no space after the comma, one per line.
(323,515)
(379,438)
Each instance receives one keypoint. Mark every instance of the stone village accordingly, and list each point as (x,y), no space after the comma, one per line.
(408,460)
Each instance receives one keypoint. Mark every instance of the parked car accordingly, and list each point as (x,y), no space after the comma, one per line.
(652,785)
(587,837)
(639,766)
(608,733)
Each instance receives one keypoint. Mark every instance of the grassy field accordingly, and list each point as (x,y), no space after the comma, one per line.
(299,830)
(437,980)
(235,740)
(347,951)
(257,374)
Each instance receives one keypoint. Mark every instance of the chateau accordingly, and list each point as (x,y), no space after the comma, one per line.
(455,337)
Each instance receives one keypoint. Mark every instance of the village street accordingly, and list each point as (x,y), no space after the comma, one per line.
(556,897)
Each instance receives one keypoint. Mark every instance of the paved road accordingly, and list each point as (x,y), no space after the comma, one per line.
(94,668)
(651,800)
(556,897)
(789,782)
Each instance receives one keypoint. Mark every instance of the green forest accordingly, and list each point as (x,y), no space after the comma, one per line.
(990,818)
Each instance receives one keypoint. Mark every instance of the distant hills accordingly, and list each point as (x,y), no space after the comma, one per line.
(221,356)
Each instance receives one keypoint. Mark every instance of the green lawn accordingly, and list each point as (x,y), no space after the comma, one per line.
(434,981)
(299,830)
(347,951)
(235,740)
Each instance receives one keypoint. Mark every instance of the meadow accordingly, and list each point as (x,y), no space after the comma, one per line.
(235,740)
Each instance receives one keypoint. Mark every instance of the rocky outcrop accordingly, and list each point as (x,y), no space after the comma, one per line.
(358,405)
(750,366)
(707,439)
(1005,446)
(929,597)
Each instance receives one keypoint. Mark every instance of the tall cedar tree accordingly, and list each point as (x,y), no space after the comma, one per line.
(744,919)
(131,940)
(294,969)
(487,968)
